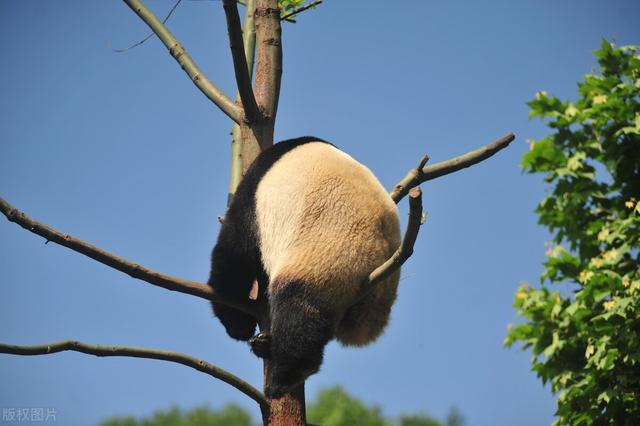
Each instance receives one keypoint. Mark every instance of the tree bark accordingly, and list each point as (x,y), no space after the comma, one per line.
(268,67)
(252,137)
(290,410)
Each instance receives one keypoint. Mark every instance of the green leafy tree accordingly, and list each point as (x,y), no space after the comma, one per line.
(417,420)
(585,337)
(454,418)
(230,415)
(333,407)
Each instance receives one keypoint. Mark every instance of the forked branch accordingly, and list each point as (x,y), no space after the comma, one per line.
(422,174)
(123,265)
(408,185)
(241,142)
(178,52)
(241,70)
(159,354)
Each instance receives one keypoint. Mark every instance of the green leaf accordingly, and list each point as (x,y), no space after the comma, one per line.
(585,338)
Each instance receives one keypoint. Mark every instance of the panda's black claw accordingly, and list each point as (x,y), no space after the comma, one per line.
(260,345)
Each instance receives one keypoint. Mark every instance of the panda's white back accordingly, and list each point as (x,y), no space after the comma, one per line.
(325,219)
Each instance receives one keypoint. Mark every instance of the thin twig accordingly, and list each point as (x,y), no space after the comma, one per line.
(123,265)
(422,174)
(241,71)
(294,12)
(178,52)
(159,354)
(403,252)
(164,21)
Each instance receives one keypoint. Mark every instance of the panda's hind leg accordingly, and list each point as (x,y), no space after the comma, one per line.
(365,321)
(300,329)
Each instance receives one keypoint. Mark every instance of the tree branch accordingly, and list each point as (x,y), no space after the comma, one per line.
(405,250)
(408,185)
(238,142)
(123,265)
(151,34)
(269,57)
(178,52)
(104,350)
(241,71)
(249,35)
(422,174)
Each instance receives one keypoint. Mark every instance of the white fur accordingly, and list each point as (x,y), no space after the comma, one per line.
(323,218)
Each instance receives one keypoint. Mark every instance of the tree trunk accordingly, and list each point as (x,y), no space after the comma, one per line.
(263,34)
(289,410)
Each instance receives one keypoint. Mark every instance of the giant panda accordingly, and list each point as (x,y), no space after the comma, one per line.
(308,223)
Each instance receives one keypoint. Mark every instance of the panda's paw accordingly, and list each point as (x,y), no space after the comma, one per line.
(261,345)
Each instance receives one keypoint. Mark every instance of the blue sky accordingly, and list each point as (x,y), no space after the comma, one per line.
(120,149)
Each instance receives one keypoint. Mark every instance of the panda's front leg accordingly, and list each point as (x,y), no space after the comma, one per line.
(232,277)
(260,345)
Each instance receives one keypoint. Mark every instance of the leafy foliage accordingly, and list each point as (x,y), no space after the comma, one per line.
(334,407)
(230,415)
(289,6)
(585,339)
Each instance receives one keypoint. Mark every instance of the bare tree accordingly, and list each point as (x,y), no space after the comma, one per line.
(253,114)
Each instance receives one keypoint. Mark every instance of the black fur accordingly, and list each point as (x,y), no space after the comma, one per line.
(300,329)
(260,345)
(236,261)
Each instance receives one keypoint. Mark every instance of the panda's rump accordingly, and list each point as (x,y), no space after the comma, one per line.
(324,219)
